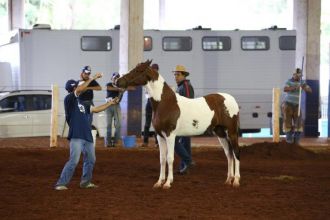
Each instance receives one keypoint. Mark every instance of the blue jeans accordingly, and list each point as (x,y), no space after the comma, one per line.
(113,113)
(76,147)
(182,148)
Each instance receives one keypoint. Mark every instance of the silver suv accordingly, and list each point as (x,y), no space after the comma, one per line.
(27,113)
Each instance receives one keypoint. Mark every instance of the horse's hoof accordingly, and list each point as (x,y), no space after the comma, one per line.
(157,185)
(166,186)
(235,184)
(228,182)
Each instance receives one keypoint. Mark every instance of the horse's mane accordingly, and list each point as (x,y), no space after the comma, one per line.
(140,67)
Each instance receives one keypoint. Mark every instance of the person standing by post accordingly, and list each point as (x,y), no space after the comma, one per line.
(113,113)
(183,144)
(87,95)
(148,115)
(292,123)
(80,134)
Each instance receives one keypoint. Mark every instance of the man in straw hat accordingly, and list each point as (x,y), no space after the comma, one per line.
(183,144)
(292,120)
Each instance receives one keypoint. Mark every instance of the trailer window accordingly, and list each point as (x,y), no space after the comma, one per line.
(147,43)
(177,43)
(216,43)
(287,43)
(96,43)
(255,43)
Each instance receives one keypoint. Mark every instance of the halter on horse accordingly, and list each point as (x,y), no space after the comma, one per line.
(177,115)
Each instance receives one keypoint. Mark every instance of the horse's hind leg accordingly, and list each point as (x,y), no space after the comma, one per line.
(233,137)
(219,131)
(230,160)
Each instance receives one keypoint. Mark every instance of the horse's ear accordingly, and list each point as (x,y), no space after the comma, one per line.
(148,62)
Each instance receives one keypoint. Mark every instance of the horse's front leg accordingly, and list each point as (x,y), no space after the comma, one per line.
(162,158)
(230,161)
(170,159)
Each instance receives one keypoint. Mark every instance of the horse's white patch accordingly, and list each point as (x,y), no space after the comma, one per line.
(195,116)
(230,104)
(155,88)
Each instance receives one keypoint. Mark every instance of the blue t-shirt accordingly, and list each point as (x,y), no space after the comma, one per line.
(111,93)
(77,118)
(88,95)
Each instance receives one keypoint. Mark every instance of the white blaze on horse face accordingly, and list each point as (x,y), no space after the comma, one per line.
(195,116)
(231,104)
(155,88)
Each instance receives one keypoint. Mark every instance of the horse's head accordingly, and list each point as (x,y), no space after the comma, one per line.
(138,76)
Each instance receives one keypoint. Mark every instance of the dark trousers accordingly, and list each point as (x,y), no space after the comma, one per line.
(182,148)
(147,123)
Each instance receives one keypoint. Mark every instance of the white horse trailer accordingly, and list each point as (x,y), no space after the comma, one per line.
(246,64)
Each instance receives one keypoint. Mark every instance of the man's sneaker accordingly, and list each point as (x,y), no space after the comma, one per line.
(61,187)
(88,186)
(185,169)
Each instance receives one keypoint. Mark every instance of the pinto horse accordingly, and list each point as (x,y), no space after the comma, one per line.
(177,115)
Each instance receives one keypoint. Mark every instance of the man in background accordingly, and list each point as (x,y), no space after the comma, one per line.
(148,115)
(87,95)
(113,113)
(292,122)
(183,144)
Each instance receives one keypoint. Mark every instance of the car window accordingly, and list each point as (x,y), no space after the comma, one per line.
(9,103)
(21,103)
(42,102)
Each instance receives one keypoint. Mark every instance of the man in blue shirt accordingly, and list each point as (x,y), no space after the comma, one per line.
(182,145)
(80,134)
(113,113)
(87,95)
(292,123)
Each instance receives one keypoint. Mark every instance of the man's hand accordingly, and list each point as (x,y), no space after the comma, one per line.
(294,88)
(97,76)
(113,101)
(116,100)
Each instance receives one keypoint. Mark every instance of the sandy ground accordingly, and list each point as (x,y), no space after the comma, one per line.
(278,181)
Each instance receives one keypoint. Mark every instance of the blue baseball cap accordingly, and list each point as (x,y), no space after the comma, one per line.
(70,85)
(115,75)
(87,69)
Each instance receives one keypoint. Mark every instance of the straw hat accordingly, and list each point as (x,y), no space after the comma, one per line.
(182,69)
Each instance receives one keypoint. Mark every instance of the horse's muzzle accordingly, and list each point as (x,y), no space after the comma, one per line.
(121,83)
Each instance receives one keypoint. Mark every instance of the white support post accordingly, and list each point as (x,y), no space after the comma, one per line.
(54,116)
(276,115)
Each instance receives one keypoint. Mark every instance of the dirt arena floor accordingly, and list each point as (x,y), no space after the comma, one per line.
(278,181)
